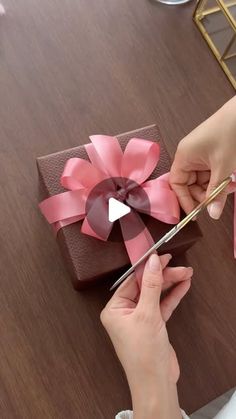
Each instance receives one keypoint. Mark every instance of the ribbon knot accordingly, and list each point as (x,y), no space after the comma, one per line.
(112,173)
(121,194)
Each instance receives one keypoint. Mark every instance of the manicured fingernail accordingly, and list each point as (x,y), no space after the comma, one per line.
(2,10)
(190,270)
(154,263)
(215,210)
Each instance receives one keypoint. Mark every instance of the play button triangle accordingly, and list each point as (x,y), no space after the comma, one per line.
(116,209)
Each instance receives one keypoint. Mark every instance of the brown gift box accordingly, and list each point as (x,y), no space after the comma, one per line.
(88,258)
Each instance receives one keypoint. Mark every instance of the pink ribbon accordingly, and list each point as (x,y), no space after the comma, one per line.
(107,161)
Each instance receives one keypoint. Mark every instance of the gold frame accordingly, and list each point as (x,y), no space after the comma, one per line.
(199,13)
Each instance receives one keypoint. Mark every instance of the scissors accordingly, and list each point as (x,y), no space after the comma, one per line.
(170,234)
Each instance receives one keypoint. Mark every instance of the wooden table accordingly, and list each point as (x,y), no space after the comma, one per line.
(69,69)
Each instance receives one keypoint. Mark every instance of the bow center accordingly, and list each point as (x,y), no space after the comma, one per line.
(121,194)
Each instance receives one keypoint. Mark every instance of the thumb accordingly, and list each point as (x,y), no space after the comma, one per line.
(216,207)
(149,300)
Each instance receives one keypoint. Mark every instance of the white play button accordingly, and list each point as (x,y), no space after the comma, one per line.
(116,209)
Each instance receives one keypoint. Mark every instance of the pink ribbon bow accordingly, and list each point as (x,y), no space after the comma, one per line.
(107,161)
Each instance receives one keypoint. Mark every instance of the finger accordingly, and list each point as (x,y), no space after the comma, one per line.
(165,259)
(203,177)
(127,291)
(173,276)
(149,299)
(216,207)
(179,180)
(197,192)
(185,198)
(172,300)
(231,187)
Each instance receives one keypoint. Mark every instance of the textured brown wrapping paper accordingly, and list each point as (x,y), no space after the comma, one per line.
(90,259)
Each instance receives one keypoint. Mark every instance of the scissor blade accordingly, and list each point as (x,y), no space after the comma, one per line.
(168,236)
(163,240)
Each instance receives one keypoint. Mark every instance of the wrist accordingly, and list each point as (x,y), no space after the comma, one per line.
(160,400)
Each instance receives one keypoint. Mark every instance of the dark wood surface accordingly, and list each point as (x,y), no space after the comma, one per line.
(69,69)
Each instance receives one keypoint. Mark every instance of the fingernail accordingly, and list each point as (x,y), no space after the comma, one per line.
(215,210)
(154,263)
(2,10)
(190,270)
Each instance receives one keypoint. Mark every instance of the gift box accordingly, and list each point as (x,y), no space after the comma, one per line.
(88,258)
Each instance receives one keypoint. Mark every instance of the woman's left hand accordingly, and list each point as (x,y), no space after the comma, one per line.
(136,323)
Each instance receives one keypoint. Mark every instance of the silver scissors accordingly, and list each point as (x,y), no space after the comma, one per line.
(170,234)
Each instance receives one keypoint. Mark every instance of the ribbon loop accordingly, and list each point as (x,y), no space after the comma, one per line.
(140,159)
(109,154)
(80,174)
(65,205)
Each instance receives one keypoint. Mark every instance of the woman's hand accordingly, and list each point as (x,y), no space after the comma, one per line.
(136,323)
(204,159)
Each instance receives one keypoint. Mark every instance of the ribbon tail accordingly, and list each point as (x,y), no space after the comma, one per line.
(89,231)
(136,245)
(96,223)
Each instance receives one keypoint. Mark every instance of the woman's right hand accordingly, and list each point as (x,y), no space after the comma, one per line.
(204,158)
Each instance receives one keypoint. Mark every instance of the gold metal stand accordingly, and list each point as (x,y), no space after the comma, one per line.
(222,40)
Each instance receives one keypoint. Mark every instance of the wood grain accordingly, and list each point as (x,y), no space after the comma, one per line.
(69,69)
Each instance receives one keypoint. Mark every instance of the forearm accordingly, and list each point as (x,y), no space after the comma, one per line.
(230,105)
(160,402)
(227,117)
